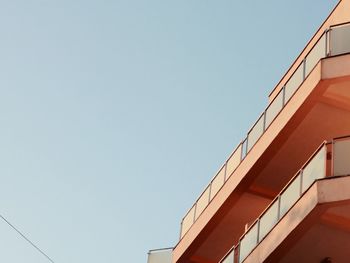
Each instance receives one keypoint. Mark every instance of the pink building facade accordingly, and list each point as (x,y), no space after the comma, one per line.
(283,195)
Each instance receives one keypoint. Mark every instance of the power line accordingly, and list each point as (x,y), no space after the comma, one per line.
(27,239)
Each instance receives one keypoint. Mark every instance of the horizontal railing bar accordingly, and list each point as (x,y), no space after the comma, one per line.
(160,249)
(340,24)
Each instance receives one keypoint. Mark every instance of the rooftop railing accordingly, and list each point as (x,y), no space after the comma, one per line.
(334,41)
(316,168)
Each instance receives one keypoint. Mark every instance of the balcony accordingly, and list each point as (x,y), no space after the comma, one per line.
(333,42)
(314,92)
(329,161)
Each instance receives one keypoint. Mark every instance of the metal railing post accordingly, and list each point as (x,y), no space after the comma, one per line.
(326,37)
(283,96)
(209,192)
(246,147)
(279,208)
(258,232)
(181,226)
(328,43)
(301,182)
(225,172)
(332,160)
(195,212)
(239,252)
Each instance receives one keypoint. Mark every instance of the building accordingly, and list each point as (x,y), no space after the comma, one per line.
(283,195)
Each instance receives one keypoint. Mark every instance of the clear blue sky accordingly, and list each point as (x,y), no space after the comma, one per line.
(114,115)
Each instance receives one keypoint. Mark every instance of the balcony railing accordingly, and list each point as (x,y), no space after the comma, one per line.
(334,41)
(317,167)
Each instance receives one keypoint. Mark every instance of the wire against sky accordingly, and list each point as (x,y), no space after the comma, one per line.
(27,239)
